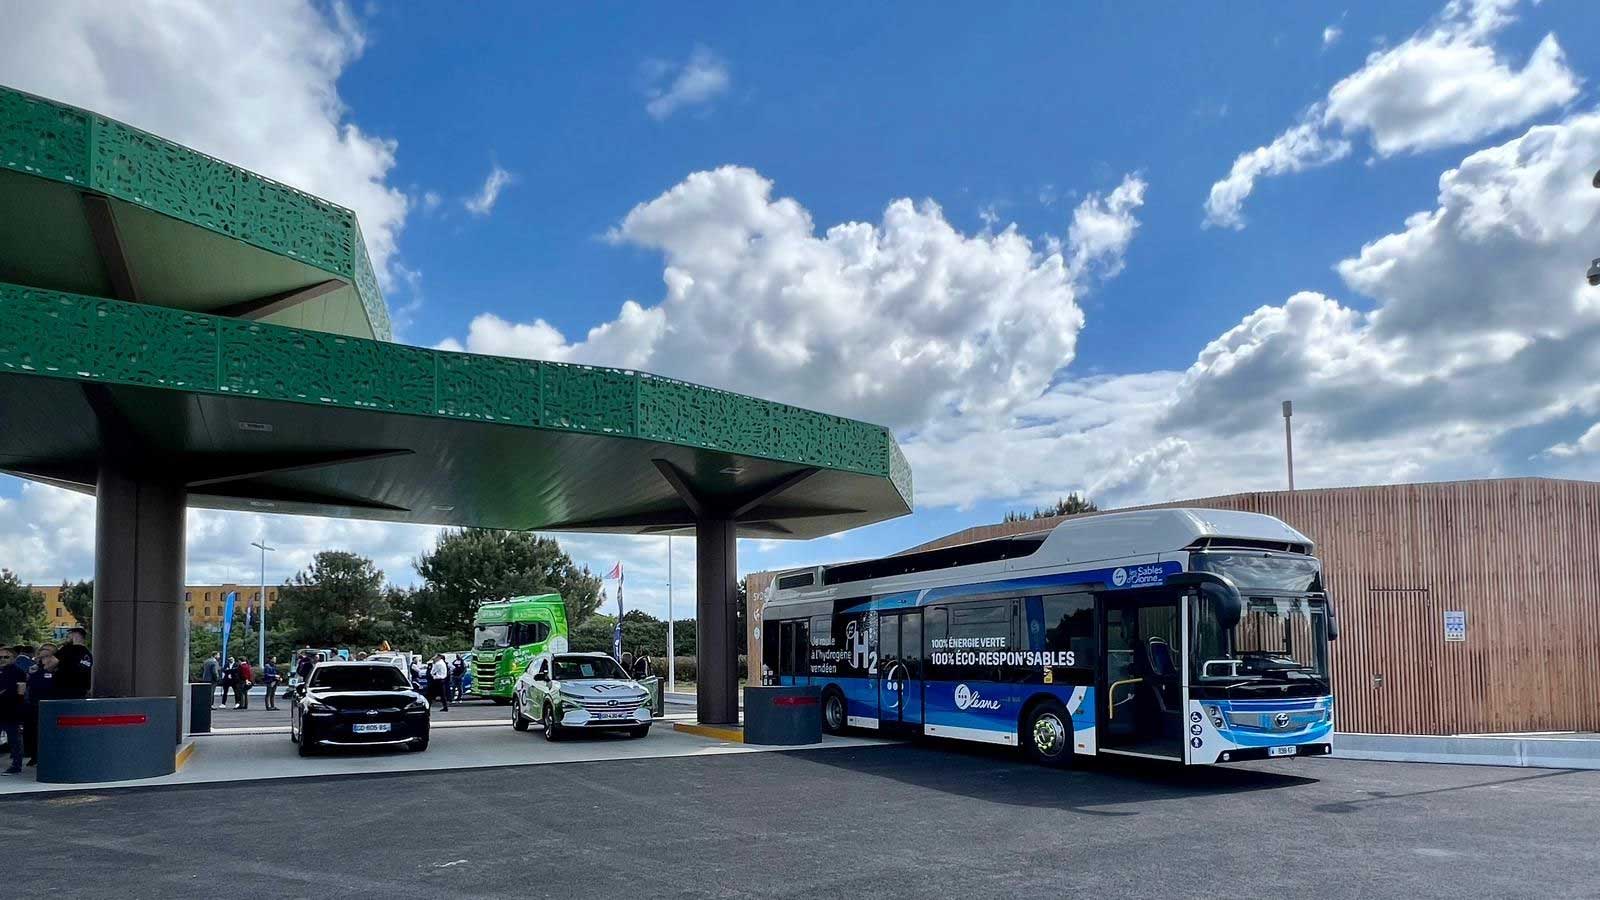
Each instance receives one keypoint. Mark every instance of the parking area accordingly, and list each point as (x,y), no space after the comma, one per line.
(894,820)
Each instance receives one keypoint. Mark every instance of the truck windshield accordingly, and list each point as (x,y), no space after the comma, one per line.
(1280,641)
(577,668)
(490,637)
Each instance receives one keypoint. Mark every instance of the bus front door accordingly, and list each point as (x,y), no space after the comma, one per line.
(900,668)
(1142,713)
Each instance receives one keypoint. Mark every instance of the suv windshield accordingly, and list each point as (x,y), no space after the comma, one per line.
(379,677)
(491,637)
(1279,641)
(577,668)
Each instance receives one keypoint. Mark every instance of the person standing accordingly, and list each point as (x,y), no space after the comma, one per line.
(41,686)
(247,677)
(75,666)
(439,680)
(269,676)
(230,679)
(12,684)
(211,673)
(458,676)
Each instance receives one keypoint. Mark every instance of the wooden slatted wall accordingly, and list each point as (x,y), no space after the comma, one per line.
(1520,556)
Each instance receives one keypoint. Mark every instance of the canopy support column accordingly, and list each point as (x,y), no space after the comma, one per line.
(716,648)
(140,623)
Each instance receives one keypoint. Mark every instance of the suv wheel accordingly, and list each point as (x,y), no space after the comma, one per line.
(552,731)
(518,720)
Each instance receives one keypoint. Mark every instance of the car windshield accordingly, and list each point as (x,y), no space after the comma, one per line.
(577,668)
(492,637)
(359,678)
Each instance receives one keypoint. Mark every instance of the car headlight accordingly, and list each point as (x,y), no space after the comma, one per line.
(417,705)
(317,707)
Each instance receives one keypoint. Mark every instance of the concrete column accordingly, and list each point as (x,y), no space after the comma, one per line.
(140,625)
(716,642)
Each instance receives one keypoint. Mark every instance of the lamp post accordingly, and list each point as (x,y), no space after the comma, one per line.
(672,648)
(1288,439)
(261,600)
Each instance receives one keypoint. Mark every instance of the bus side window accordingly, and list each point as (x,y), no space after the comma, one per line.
(935,630)
(1069,625)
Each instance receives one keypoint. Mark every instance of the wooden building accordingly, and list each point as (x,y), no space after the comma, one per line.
(1519,557)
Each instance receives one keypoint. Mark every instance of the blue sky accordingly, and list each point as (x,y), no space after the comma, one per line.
(1160,344)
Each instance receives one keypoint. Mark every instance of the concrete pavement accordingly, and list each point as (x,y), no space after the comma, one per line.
(885,821)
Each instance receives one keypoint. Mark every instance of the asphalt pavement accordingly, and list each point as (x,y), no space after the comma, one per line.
(887,821)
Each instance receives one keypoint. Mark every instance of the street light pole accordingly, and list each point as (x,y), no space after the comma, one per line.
(261,601)
(672,647)
(1288,439)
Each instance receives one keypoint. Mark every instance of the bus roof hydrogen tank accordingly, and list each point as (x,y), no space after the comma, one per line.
(1188,635)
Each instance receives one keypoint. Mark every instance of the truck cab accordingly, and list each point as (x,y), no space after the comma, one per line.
(508,635)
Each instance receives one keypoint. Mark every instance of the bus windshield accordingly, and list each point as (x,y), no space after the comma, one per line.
(1263,571)
(490,637)
(1280,642)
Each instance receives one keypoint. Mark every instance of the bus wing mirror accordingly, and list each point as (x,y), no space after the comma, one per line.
(1230,609)
(1333,620)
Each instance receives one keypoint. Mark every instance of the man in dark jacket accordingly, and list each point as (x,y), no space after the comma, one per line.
(211,673)
(12,680)
(75,668)
(41,687)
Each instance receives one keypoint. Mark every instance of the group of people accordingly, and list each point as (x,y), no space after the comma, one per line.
(31,675)
(237,675)
(440,679)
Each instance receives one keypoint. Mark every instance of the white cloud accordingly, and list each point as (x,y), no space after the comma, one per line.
(482,203)
(254,84)
(1331,35)
(1443,87)
(697,82)
(894,321)
(431,201)
(1587,443)
(1103,227)
(1301,147)
(1482,332)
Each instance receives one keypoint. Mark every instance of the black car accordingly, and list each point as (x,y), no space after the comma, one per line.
(357,704)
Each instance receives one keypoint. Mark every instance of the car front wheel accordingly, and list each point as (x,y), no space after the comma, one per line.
(518,720)
(308,746)
(551,729)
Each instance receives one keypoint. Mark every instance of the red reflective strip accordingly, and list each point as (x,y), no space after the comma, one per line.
(101,721)
(794,701)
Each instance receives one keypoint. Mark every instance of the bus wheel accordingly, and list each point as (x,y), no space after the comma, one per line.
(1047,734)
(834,718)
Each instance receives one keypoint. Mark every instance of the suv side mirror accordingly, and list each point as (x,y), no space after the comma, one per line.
(540,676)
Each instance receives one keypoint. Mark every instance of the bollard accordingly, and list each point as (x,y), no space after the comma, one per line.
(201,693)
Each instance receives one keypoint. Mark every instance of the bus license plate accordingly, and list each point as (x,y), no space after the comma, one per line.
(381,727)
(1281,751)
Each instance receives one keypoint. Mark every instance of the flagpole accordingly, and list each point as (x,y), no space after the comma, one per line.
(672,646)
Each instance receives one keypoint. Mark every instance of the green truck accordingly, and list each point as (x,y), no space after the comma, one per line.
(506,636)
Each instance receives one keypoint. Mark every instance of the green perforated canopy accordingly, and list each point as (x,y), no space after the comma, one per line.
(227,331)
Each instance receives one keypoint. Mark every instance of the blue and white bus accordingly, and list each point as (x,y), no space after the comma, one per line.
(1189,635)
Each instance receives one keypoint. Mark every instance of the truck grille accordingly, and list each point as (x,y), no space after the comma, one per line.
(483,674)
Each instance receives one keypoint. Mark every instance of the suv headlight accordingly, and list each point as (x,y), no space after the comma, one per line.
(418,705)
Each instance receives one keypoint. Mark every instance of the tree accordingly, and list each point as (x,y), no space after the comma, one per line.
(22,613)
(337,601)
(1070,505)
(472,566)
(79,600)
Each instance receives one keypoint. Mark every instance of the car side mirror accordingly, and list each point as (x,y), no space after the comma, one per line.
(540,676)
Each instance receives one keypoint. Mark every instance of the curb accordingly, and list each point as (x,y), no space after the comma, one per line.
(1514,751)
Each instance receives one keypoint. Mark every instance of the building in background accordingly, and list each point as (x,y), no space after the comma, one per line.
(204,602)
(1464,607)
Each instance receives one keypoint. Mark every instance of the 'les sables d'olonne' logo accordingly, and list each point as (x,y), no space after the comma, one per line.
(967,698)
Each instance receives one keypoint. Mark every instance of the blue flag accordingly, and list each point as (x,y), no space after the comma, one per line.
(616,642)
(227,620)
